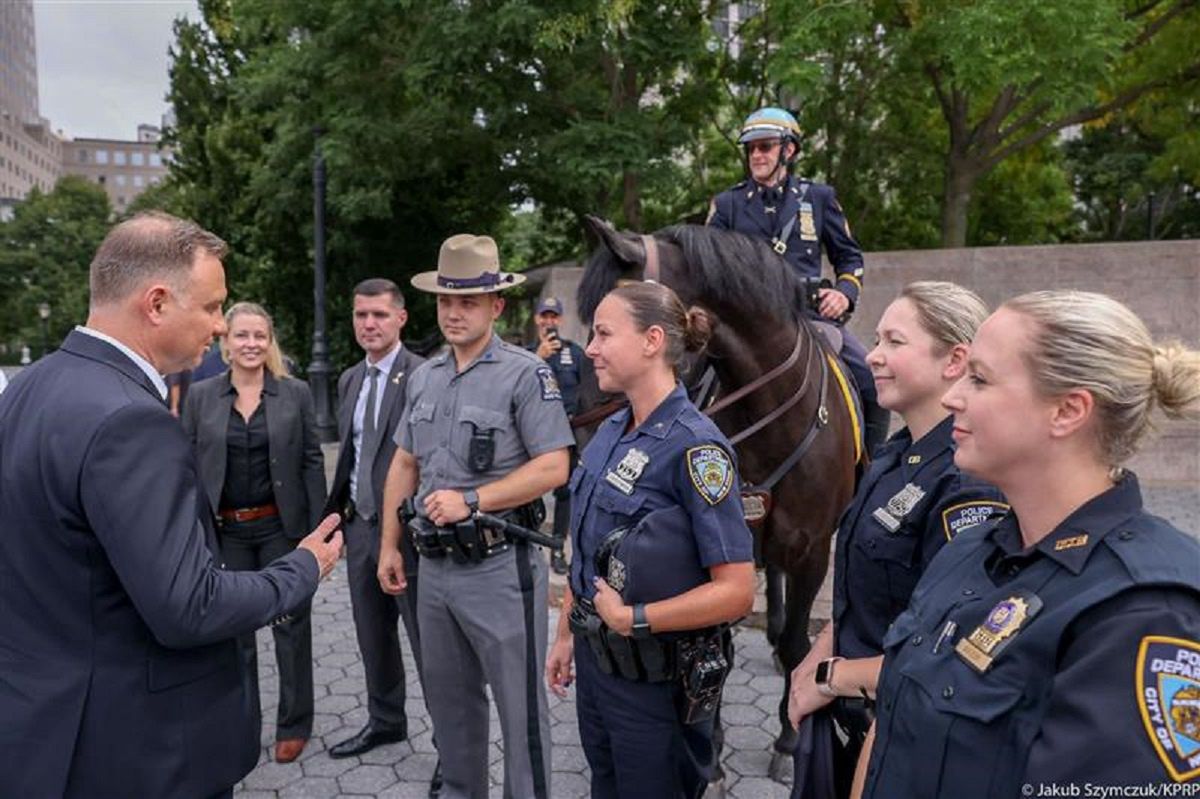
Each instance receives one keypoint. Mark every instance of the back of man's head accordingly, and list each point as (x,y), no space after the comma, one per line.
(148,246)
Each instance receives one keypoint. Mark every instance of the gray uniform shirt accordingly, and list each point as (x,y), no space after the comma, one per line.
(507,390)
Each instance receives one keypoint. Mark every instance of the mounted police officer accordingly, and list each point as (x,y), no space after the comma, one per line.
(1059,646)
(663,560)
(912,501)
(568,362)
(799,217)
(483,431)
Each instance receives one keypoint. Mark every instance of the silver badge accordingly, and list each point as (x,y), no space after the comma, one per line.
(631,466)
(898,507)
(616,574)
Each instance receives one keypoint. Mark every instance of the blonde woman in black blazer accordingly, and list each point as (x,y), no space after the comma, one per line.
(260,459)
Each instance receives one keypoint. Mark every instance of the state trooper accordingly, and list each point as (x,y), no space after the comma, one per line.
(567,360)
(799,217)
(663,561)
(483,430)
(1058,648)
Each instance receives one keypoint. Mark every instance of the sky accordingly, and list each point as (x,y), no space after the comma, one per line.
(102,64)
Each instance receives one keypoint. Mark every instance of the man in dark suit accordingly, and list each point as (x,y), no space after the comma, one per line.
(370,400)
(119,668)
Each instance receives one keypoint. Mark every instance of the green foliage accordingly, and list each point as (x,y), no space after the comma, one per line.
(45,252)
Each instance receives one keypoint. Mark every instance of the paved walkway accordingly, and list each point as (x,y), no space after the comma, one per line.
(403,769)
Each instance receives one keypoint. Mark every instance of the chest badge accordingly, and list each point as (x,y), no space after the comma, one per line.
(808,227)
(565,358)
(1168,695)
(628,470)
(900,505)
(1003,622)
(711,472)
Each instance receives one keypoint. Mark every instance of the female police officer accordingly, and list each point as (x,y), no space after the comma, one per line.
(911,502)
(656,520)
(1058,646)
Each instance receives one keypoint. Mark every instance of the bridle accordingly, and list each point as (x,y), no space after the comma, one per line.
(820,418)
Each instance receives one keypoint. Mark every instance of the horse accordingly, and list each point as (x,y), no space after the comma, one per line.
(783,400)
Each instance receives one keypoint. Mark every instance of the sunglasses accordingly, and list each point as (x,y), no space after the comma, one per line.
(765,146)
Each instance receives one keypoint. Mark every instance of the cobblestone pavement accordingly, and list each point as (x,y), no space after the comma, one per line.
(403,769)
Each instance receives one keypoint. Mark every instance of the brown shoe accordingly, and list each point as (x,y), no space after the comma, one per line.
(288,749)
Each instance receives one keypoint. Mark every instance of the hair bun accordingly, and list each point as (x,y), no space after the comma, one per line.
(698,329)
(1177,380)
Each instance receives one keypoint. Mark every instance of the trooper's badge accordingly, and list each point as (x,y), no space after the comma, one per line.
(899,506)
(549,383)
(1003,622)
(711,472)
(1168,695)
(966,515)
(565,357)
(628,470)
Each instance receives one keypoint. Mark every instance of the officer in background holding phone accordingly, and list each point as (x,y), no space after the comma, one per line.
(568,362)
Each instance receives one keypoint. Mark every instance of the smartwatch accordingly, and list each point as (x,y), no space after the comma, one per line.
(641,627)
(824,676)
(471,497)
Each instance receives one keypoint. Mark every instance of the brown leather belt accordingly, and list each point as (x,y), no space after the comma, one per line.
(248,514)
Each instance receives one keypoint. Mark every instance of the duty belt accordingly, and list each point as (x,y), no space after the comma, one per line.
(659,658)
(479,537)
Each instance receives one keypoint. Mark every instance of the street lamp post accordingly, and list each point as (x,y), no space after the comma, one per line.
(319,370)
(44,314)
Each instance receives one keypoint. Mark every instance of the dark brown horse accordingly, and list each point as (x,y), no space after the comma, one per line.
(780,400)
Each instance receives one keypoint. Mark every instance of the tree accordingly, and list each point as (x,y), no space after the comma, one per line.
(1001,76)
(45,252)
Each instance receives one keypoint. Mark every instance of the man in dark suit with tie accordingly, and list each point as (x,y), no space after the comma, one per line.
(119,667)
(370,400)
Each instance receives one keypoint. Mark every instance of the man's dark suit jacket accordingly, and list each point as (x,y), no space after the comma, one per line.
(297,465)
(119,672)
(349,384)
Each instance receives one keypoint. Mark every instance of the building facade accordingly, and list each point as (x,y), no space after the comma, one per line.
(30,152)
(124,168)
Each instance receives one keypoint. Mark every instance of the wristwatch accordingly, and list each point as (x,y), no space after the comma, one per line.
(824,676)
(641,627)
(471,497)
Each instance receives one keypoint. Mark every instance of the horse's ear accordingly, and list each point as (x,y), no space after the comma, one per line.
(626,246)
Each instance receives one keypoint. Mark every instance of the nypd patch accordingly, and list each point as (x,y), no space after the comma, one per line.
(1168,696)
(549,383)
(966,515)
(711,472)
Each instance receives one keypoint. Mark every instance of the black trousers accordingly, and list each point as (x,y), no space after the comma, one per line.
(376,617)
(249,546)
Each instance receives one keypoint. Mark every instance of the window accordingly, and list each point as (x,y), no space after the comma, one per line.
(83,156)
(101,179)
(137,180)
(155,159)
(137,159)
(120,180)
(102,156)
(119,157)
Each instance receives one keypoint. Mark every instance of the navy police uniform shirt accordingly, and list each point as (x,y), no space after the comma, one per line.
(815,218)
(1075,661)
(676,457)
(568,365)
(912,501)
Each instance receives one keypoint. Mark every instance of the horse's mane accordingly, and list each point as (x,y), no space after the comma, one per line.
(724,265)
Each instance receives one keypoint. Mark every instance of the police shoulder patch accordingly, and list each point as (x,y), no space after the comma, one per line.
(711,472)
(966,515)
(549,384)
(1168,697)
